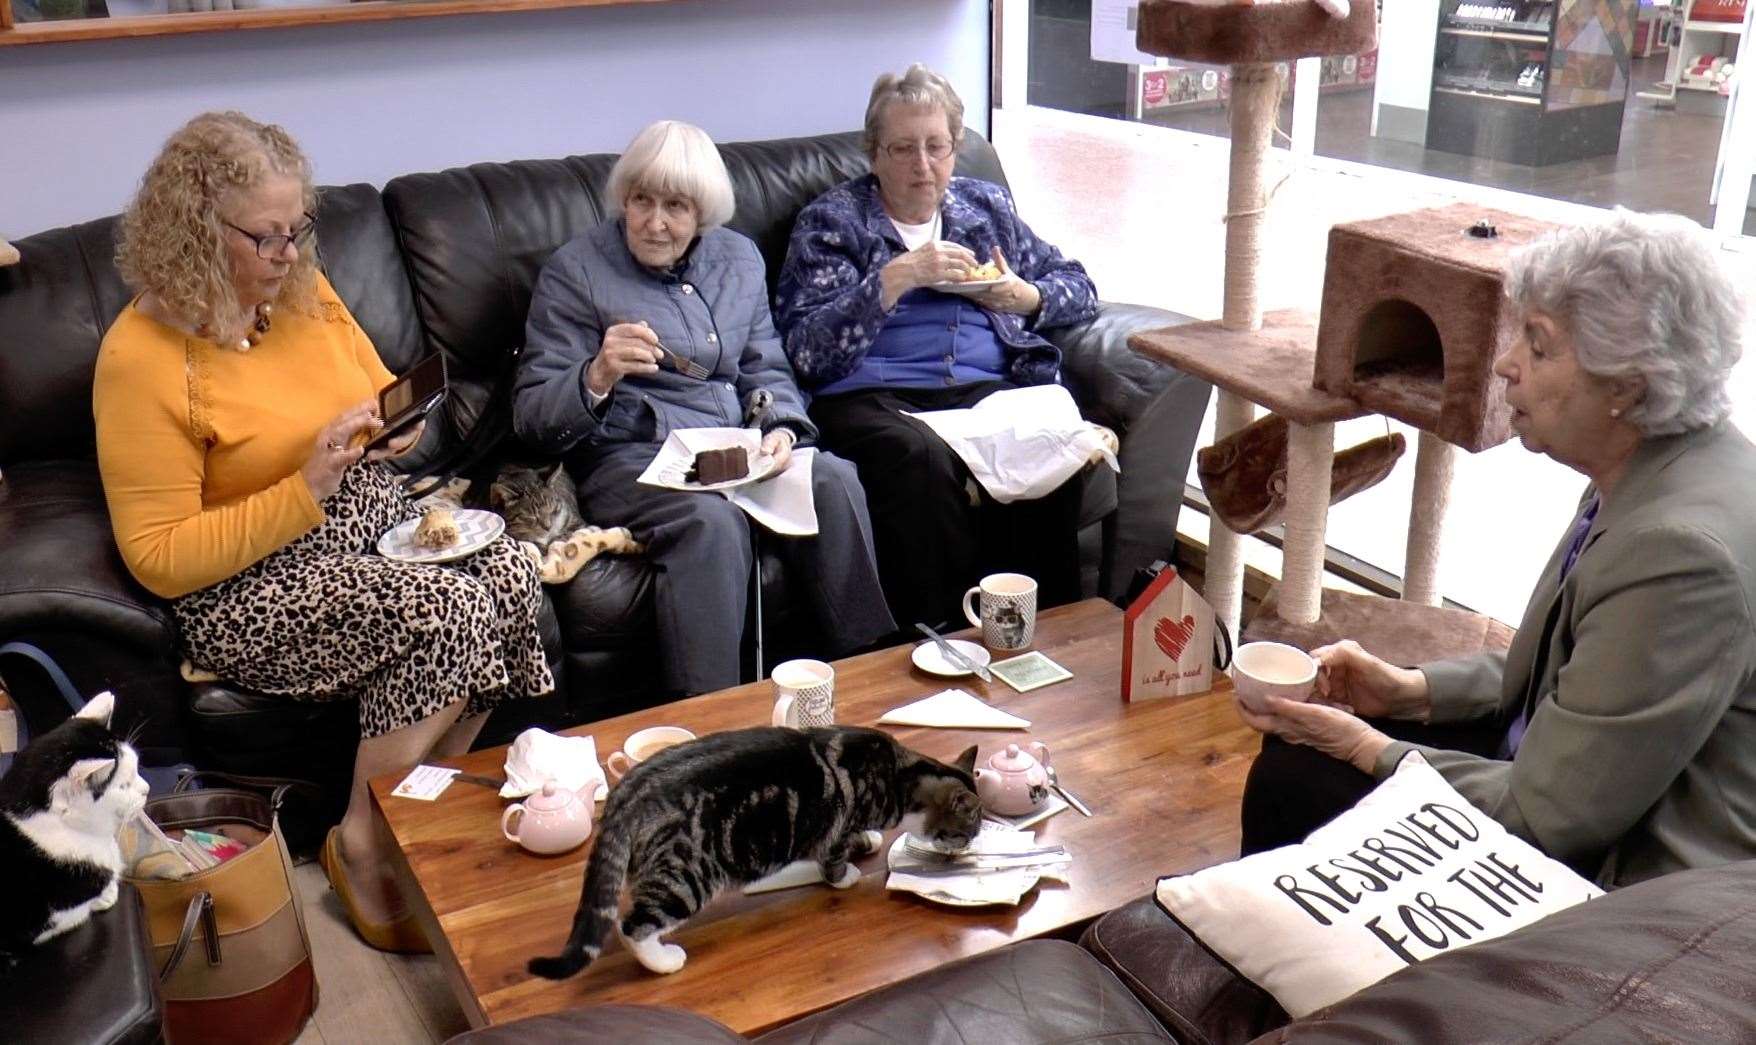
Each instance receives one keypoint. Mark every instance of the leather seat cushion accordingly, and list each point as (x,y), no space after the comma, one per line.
(93,984)
(1036,991)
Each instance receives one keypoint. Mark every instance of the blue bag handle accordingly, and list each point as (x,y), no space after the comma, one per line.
(50,668)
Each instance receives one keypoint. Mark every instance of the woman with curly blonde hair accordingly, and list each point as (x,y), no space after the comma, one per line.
(233,397)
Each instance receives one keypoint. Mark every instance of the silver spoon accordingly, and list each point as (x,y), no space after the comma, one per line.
(1055,782)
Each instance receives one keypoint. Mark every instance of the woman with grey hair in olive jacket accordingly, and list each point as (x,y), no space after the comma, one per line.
(1617,731)
(623,322)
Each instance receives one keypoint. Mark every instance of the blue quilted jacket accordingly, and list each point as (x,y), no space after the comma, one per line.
(829,303)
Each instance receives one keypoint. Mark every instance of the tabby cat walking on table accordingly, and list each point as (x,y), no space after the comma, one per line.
(734,807)
(61,805)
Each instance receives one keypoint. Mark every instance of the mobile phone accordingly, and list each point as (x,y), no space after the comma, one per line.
(409,398)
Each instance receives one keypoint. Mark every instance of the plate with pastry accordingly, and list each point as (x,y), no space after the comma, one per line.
(441,535)
(722,469)
(979,278)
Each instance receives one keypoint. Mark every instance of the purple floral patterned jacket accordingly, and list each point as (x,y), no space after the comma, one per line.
(829,305)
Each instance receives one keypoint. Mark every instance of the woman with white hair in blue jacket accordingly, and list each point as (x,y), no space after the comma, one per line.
(623,321)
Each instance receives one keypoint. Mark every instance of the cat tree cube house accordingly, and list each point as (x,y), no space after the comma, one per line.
(1415,313)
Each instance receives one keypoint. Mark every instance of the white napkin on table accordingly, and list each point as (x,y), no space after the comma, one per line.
(953,709)
(539,755)
(991,887)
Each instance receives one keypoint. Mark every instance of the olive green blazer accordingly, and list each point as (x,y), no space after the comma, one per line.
(1640,668)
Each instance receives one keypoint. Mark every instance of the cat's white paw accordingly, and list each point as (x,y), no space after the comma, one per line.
(871,840)
(107,898)
(849,875)
(658,956)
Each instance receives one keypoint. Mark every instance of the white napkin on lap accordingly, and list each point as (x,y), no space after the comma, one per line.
(539,755)
(953,709)
(1020,443)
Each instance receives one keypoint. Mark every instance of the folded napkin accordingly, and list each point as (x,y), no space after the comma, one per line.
(989,887)
(538,755)
(953,709)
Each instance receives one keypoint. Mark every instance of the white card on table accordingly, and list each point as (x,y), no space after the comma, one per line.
(1029,671)
(425,783)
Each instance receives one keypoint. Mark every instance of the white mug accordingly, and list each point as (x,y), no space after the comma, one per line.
(804,692)
(642,745)
(1008,617)
(1272,669)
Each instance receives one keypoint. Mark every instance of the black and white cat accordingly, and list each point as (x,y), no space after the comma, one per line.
(61,805)
(734,807)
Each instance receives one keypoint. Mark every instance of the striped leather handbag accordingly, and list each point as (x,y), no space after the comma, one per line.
(230,942)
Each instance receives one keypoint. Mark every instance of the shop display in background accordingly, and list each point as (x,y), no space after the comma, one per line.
(1545,85)
(1193,84)
(1717,11)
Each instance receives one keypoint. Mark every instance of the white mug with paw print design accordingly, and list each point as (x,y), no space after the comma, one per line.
(1008,616)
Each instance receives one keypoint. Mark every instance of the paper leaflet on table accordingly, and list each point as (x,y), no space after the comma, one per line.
(1020,443)
(782,503)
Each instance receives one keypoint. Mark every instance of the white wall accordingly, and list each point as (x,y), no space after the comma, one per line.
(80,121)
(1406,32)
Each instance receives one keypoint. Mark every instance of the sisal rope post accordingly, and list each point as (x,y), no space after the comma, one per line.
(1426,519)
(1255,101)
(1310,465)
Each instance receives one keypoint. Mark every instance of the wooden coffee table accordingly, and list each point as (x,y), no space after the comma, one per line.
(1162,777)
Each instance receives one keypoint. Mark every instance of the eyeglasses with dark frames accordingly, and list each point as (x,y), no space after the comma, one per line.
(273,246)
(935,148)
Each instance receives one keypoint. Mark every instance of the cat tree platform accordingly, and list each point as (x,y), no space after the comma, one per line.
(1271,367)
(1401,632)
(1263,31)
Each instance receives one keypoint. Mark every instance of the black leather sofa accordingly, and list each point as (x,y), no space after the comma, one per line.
(444,262)
(1670,960)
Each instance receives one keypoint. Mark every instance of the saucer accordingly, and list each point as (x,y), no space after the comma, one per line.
(966,286)
(928,657)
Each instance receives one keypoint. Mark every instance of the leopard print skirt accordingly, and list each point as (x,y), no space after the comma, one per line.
(326,617)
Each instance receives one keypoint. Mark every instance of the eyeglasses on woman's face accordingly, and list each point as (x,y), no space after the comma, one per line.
(274,245)
(935,148)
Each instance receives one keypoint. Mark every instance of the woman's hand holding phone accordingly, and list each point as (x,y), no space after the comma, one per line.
(399,444)
(337,447)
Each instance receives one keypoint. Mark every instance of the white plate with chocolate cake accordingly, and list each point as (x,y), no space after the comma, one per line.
(720,468)
(441,535)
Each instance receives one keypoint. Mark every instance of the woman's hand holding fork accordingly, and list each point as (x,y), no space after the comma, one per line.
(628,348)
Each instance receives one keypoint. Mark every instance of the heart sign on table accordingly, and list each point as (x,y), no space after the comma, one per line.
(1173,636)
(1168,641)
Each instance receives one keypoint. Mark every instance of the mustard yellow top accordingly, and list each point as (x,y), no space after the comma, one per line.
(200,446)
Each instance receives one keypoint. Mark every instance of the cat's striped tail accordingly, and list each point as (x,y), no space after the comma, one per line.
(600,901)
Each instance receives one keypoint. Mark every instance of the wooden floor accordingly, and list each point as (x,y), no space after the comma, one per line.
(367,995)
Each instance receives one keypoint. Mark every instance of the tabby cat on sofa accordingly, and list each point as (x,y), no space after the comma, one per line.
(61,805)
(734,807)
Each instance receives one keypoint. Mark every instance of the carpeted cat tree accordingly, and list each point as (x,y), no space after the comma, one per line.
(1413,317)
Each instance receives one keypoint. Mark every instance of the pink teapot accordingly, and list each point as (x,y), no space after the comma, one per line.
(553,821)
(1015,781)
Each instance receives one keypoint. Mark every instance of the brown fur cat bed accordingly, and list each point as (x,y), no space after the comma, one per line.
(1245,474)
(8,253)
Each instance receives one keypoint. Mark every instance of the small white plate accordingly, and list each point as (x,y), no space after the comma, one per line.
(930,659)
(760,466)
(476,530)
(966,287)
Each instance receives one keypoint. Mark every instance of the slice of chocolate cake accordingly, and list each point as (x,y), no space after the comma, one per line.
(719,466)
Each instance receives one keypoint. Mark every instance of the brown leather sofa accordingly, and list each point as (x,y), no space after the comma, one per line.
(445,262)
(1670,960)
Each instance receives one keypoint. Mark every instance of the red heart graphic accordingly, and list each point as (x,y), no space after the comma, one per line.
(1173,636)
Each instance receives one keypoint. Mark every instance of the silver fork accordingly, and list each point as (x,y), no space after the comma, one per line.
(686,367)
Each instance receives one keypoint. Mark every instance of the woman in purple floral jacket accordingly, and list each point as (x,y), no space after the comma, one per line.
(871,334)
